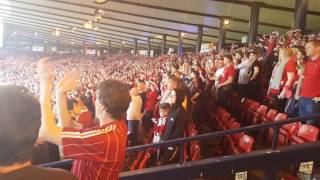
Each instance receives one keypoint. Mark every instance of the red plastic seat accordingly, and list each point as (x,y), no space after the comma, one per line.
(281,139)
(223,121)
(218,114)
(193,132)
(244,107)
(270,116)
(306,133)
(259,114)
(237,136)
(252,108)
(281,116)
(135,164)
(195,151)
(230,141)
(190,127)
(287,130)
(144,161)
(234,125)
(194,147)
(244,145)
(230,122)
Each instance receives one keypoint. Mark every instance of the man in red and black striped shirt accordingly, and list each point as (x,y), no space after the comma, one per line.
(98,152)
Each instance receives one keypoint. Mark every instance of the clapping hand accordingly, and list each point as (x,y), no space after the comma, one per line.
(69,82)
(44,69)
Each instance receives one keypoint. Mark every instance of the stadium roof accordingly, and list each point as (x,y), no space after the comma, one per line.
(125,20)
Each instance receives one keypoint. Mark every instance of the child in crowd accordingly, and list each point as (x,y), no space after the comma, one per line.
(164,110)
(153,154)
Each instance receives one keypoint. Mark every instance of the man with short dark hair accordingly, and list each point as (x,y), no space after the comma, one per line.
(20,122)
(98,152)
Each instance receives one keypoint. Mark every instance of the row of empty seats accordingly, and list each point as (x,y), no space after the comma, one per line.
(251,112)
(241,112)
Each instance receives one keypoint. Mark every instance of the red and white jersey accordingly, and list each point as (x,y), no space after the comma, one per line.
(159,129)
(99,152)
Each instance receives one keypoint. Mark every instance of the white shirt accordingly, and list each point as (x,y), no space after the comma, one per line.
(244,68)
(218,75)
(134,110)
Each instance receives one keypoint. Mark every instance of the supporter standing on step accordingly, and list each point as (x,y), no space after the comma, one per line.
(134,116)
(283,77)
(243,79)
(309,101)
(226,80)
(255,77)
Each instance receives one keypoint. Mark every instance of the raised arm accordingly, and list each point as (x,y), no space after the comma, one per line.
(48,130)
(68,83)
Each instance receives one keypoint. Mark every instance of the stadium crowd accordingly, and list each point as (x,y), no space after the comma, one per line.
(160,94)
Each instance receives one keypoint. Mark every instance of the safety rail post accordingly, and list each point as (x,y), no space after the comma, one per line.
(181,153)
(271,173)
(276,129)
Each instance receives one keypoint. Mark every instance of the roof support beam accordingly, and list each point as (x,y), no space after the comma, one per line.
(222,36)
(199,38)
(143,16)
(164,44)
(83,13)
(46,28)
(193,13)
(253,25)
(300,14)
(81,37)
(42,22)
(268,6)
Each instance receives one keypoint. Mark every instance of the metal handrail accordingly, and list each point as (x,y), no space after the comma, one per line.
(181,141)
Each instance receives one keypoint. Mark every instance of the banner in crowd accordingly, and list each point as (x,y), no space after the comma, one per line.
(244,39)
(144,52)
(207,47)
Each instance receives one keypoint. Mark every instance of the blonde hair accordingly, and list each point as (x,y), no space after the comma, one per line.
(286,53)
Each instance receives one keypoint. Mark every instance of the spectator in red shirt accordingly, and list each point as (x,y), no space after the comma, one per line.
(151,101)
(226,80)
(310,92)
(283,77)
(98,152)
